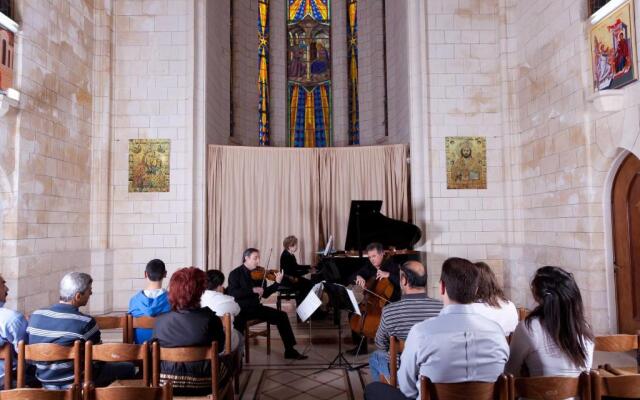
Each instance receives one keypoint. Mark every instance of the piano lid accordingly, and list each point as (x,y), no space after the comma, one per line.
(376,227)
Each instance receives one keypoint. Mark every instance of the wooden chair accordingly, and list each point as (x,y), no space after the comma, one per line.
(48,352)
(619,344)
(191,354)
(465,390)
(128,393)
(40,394)
(396,346)
(114,322)
(550,387)
(6,354)
(249,334)
(115,352)
(226,323)
(522,313)
(624,386)
(138,322)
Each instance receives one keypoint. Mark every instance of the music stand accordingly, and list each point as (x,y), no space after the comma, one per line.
(339,300)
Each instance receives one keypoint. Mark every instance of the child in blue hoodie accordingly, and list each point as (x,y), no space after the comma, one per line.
(152,301)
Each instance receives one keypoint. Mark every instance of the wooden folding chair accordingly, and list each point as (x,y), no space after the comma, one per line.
(498,390)
(619,344)
(396,346)
(48,352)
(129,393)
(114,322)
(226,323)
(115,352)
(40,394)
(191,354)
(249,334)
(6,353)
(138,323)
(624,386)
(550,387)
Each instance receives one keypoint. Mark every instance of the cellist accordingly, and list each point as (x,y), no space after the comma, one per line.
(379,268)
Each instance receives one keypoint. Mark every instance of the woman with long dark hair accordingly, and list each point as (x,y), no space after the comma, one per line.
(555,339)
(491,301)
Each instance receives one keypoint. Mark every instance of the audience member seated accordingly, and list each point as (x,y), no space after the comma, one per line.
(491,301)
(220,303)
(152,301)
(189,325)
(398,318)
(62,324)
(555,338)
(456,346)
(294,272)
(13,328)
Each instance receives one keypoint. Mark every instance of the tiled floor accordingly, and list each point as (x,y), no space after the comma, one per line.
(271,377)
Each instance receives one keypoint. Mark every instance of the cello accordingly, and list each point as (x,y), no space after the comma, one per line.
(377,293)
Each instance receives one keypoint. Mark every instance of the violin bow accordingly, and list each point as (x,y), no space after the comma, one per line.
(265,272)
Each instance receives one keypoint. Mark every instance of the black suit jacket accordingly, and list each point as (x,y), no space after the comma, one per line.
(368,271)
(241,288)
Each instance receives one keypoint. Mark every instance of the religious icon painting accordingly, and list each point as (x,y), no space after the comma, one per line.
(613,49)
(149,165)
(466,162)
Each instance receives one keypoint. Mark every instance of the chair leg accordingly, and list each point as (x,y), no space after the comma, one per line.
(268,338)
(246,345)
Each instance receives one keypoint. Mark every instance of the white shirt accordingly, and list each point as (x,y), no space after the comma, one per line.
(535,349)
(456,346)
(222,304)
(506,315)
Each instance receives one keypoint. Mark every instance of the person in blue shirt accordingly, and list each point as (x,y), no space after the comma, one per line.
(152,301)
(13,328)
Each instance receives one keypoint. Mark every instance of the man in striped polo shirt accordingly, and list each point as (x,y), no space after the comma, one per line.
(398,318)
(63,324)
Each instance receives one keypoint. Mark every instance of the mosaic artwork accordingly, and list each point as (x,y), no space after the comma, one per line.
(466,162)
(149,165)
(613,49)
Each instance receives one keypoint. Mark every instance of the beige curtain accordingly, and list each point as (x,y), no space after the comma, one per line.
(258,196)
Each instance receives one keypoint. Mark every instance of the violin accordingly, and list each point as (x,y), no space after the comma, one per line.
(261,273)
(378,292)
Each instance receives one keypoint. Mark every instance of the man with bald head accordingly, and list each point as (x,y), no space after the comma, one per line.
(398,318)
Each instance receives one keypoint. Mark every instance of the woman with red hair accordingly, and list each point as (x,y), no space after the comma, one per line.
(188,325)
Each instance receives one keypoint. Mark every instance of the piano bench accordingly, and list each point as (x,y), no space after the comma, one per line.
(285,294)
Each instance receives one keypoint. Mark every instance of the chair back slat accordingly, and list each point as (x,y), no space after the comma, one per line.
(616,343)
(6,353)
(187,354)
(552,387)
(226,323)
(130,393)
(116,352)
(624,386)
(396,346)
(48,352)
(138,322)
(39,394)
(498,390)
(114,322)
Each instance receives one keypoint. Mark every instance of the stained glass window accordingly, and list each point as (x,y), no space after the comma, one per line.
(309,73)
(595,5)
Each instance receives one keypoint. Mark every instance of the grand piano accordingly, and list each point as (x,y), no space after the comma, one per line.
(368,225)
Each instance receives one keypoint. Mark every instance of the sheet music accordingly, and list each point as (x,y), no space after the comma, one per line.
(311,303)
(354,303)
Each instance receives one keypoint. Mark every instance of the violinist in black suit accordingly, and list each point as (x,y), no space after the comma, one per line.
(294,272)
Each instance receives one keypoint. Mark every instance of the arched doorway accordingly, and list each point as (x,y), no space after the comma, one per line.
(625,205)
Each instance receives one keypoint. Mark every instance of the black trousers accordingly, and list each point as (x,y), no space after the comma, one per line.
(382,391)
(270,315)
